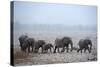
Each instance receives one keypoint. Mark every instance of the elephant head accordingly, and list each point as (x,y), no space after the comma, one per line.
(28,43)
(88,42)
(22,39)
(84,44)
(66,41)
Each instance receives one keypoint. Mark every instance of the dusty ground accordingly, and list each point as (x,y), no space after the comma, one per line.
(50,58)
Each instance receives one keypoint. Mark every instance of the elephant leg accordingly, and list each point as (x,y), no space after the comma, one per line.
(78,50)
(47,51)
(50,50)
(21,44)
(84,50)
(55,49)
(36,50)
(71,48)
(89,50)
(67,48)
(81,50)
(63,49)
(29,49)
(42,49)
(24,50)
(32,48)
(58,50)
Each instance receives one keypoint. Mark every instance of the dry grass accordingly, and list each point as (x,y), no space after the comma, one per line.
(20,55)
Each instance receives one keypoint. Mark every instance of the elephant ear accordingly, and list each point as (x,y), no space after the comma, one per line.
(87,41)
(22,38)
(66,39)
(90,42)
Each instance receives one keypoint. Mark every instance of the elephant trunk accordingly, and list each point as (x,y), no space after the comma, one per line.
(53,48)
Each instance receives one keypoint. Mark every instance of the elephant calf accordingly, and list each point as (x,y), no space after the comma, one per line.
(46,47)
(84,44)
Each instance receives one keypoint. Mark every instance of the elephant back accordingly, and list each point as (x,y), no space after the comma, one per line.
(82,43)
(66,40)
(58,42)
(88,41)
(41,42)
(23,37)
(47,46)
(30,41)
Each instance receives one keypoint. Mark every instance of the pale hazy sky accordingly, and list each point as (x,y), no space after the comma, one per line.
(47,13)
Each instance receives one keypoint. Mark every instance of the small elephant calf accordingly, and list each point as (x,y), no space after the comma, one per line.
(46,47)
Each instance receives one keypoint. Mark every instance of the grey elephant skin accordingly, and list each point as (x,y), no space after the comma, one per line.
(22,39)
(62,43)
(39,44)
(84,45)
(26,43)
(47,47)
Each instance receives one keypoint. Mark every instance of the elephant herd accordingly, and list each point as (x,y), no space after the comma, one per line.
(32,45)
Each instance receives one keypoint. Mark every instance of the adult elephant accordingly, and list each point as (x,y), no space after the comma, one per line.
(84,44)
(28,44)
(39,44)
(62,43)
(22,39)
